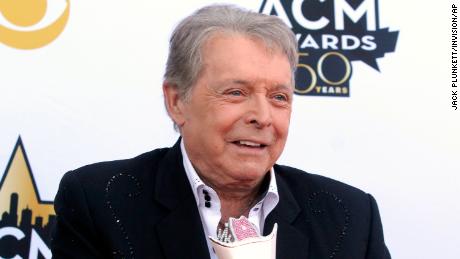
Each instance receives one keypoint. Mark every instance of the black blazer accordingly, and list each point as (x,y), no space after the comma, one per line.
(144,208)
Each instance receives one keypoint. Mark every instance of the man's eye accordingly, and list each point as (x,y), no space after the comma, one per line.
(280,97)
(236,93)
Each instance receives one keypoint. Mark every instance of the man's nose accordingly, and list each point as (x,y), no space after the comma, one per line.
(260,114)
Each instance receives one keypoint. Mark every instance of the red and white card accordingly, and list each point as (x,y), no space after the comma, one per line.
(242,228)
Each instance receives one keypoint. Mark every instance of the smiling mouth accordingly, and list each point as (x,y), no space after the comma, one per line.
(249,144)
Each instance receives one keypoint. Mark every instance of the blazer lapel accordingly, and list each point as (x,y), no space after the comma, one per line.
(291,242)
(181,231)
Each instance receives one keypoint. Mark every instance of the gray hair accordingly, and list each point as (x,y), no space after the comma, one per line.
(185,61)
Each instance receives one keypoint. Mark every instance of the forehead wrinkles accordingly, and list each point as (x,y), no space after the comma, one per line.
(265,83)
(218,64)
(268,48)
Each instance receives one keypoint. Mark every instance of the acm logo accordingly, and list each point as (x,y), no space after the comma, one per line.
(26,220)
(332,34)
(21,22)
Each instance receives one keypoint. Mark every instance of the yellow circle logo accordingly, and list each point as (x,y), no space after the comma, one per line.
(25,13)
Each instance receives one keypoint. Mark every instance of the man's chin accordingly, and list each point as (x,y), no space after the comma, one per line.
(250,173)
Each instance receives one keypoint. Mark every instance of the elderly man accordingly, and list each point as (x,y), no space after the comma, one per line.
(228,88)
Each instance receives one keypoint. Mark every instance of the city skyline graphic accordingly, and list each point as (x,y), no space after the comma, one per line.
(21,206)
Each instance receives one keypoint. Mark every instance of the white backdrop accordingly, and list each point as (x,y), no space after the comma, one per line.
(95,94)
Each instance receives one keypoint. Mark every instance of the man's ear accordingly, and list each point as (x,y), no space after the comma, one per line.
(174,104)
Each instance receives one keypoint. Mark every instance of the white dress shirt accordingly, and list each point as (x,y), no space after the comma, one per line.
(210,210)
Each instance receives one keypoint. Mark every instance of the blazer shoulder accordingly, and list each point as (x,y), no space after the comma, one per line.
(100,173)
(92,198)
(301,182)
(106,169)
(330,205)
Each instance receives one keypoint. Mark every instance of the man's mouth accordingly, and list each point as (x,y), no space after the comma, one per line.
(247,143)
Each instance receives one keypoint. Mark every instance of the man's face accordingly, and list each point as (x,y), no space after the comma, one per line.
(235,124)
